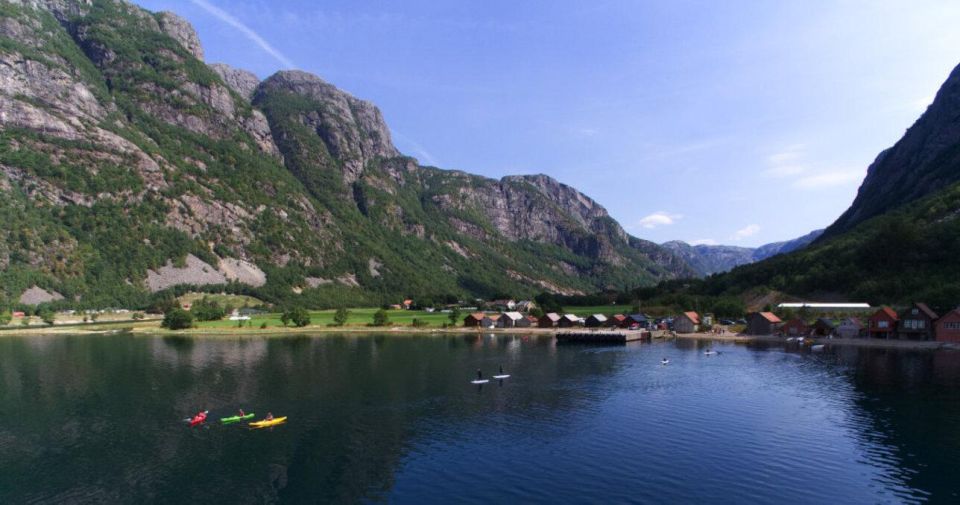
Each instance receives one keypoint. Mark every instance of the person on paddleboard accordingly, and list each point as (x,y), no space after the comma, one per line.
(479,375)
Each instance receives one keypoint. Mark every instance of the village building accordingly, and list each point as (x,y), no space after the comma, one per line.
(824,327)
(511,320)
(948,327)
(850,327)
(596,321)
(491,321)
(504,305)
(917,323)
(686,322)
(795,328)
(568,321)
(408,304)
(617,321)
(524,306)
(883,323)
(533,321)
(549,320)
(763,323)
(473,320)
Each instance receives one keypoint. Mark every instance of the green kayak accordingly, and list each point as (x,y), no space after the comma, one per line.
(236,419)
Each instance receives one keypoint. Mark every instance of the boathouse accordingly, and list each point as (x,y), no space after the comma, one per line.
(763,323)
(473,320)
(686,322)
(850,327)
(883,323)
(637,320)
(512,320)
(568,321)
(795,328)
(617,321)
(948,327)
(824,327)
(596,321)
(549,320)
(917,323)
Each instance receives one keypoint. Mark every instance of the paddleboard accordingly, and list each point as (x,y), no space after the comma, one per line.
(710,353)
(507,376)
(665,362)
(482,381)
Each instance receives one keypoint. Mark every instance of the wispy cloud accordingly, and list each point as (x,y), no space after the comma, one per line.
(786,163)
(245,30)
(660,218)
(829,179)
(420,151)
(745,232)
(703,241)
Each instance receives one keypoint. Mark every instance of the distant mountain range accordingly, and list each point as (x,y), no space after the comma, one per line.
(712,259)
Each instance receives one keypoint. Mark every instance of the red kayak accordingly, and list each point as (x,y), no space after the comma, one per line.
(199,418)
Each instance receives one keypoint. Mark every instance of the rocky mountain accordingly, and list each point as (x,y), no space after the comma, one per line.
(131,169)
(711,259)
(924,161)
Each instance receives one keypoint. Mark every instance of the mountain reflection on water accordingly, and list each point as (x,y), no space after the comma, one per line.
(100,418)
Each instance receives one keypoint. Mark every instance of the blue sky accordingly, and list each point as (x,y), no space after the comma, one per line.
(735,122)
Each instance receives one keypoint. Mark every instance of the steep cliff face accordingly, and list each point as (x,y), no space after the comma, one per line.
(128,166)
(924,161)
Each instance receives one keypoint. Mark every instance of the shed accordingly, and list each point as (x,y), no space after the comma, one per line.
(763,323)
(883,323)
(850,327)
(617,320)
(549,320)
(948,327)
(568,321)
(491,321)
(686,322)
(596,321)
(917,323)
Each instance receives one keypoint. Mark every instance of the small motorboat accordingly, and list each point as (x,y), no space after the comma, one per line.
(817,348)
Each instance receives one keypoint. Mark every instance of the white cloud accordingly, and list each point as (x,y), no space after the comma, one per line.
(786,163)
(747,231)
(781,171)
(660,218)
(829,179)
(703,241)
(245,30)
(789,155)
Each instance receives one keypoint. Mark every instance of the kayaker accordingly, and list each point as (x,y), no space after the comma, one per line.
(241,413)
(269,416)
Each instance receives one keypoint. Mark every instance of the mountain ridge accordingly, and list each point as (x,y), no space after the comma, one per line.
(127,163)
(709,259)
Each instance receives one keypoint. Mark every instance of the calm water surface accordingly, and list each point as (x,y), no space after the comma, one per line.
(394,419)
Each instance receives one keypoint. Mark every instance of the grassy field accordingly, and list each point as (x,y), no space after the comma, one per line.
(358,317)
(607,310)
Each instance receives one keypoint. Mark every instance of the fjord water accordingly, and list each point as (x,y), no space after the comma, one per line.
(394,418)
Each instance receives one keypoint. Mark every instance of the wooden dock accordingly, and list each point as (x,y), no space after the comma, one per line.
(602,337)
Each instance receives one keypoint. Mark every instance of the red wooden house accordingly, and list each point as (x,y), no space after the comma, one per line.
(883,324)
(795,328)
(948,327)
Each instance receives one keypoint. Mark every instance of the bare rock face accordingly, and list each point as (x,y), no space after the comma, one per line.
(37,295)
(195,271)
(182,31)
(62,9)
(353,130)
(239,80)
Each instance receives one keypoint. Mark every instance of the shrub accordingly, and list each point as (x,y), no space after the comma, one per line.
(297,315)
(177,319)
(341,317)
(48,317)
(454,315)
(420,323)
(205,309)
(137,316)
(380,318)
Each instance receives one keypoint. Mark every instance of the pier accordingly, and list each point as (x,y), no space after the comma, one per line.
(602,337)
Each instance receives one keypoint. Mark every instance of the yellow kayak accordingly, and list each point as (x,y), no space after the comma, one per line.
(264,424)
